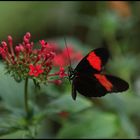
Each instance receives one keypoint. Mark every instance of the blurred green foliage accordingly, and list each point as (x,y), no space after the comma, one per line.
(86,25)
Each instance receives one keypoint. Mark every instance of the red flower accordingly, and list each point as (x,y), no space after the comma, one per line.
(61,58)
(35,70)
(62,72)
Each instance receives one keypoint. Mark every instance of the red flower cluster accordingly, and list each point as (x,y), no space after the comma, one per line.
(25,61)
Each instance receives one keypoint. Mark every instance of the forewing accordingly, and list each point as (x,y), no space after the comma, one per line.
(93,61)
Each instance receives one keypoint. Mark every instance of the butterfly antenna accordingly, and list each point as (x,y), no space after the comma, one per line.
(67,51)
(70,67)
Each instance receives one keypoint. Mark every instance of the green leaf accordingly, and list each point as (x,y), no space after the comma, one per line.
(11,91)
(66,103)
(90,125)
(122,105)
(128,127)
(5,131)
(14,135)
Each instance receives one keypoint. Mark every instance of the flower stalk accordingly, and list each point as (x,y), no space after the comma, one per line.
(26,97)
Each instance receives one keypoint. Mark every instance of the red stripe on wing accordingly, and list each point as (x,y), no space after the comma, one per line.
(104,81)
(94,61)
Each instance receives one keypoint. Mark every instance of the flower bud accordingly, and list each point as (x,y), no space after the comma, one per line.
(4,44)
(28,35)
(10,40)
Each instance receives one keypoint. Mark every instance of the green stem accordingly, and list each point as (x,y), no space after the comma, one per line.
(26,96)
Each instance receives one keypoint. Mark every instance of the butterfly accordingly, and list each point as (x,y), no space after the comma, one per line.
(87,78)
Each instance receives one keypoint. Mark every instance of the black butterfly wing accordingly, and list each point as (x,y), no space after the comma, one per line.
(93,61)
(88,86)
(97,85)
(119,84)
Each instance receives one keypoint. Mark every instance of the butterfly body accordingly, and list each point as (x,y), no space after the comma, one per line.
(87,77)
